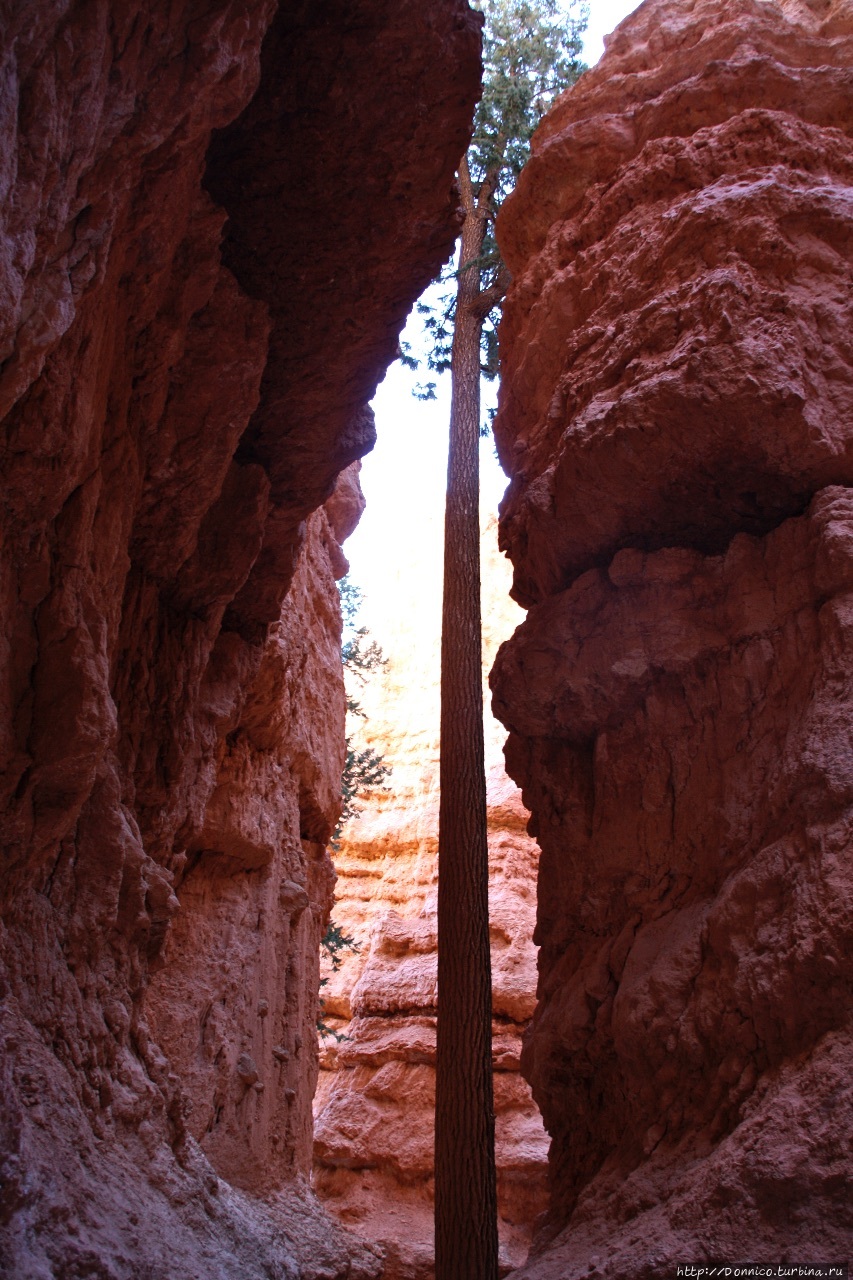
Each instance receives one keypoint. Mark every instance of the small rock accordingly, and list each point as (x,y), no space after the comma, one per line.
(247,1070)
(293,897)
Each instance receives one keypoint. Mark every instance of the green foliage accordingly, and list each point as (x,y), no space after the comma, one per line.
(363,770)
(364,767)
(360,657)
(333,942)
(351,598)
(531,54)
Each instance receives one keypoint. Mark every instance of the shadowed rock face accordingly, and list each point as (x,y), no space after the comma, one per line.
(677,419)
(416,78)
(212,229)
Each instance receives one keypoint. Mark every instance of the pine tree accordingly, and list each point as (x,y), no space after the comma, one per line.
(364,768)
(531,52)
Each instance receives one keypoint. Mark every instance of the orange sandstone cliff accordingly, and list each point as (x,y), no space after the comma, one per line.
(374,1107)
(215,218)
(677,420)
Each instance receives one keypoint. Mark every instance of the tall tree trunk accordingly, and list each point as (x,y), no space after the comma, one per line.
(466,1241)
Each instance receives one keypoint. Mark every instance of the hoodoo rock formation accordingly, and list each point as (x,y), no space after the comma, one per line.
(677,420)
(375,1101)
(215,218)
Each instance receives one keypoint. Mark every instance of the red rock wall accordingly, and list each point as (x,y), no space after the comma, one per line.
(677,419)
(374,1158)
(215,218)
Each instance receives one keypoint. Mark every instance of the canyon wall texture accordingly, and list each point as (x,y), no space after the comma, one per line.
(677,420)
(215,218)
(375,1101)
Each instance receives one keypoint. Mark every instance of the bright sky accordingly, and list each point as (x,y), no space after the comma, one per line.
(604,16)
(399,537)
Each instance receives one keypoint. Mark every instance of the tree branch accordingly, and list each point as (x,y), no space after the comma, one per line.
(488,187)
(466,188)
(490,297)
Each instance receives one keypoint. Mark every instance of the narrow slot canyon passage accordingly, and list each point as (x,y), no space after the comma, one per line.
(373,1137)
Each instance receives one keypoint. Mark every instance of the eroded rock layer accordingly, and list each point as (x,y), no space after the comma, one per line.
(212,231)
(677,419)
(376,1097)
